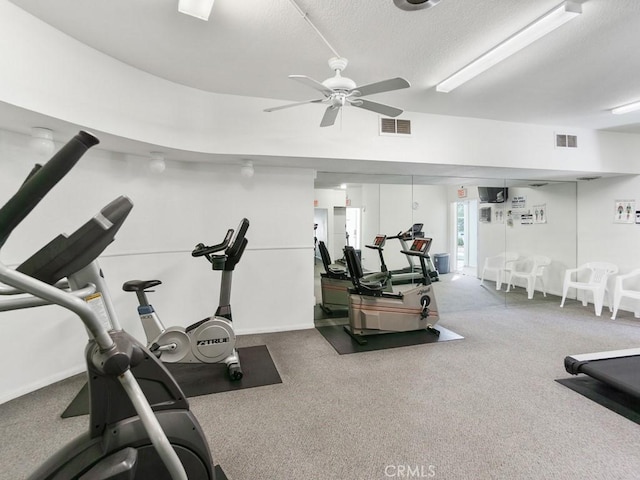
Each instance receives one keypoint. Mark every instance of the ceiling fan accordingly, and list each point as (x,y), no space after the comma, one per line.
(339,91)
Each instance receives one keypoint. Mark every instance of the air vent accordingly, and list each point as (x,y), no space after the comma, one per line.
(394,126)
(566,141)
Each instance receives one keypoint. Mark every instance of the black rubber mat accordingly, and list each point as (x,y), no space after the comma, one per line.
(344,344)
(615,400)
(220,473)
(205,378)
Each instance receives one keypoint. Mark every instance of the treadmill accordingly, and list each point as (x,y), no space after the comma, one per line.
(412,273)
(617,368)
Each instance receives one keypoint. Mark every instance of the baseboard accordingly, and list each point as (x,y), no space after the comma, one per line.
(41,383)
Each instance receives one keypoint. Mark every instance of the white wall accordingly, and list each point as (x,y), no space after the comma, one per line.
(600,239)
(187,204)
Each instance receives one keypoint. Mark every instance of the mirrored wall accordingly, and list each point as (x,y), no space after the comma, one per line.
(519,234)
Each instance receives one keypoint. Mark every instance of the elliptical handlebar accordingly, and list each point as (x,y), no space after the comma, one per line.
(40,181)
(201,249)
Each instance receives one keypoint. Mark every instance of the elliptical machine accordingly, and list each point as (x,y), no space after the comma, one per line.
(211,340)
(373,311)
(137,431)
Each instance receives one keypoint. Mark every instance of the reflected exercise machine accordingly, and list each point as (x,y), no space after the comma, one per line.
(335,282)
(412,273)
(373,311)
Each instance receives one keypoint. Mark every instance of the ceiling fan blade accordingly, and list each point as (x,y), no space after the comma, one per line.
(377,107)
(310,82)
(273,109)
(383,86)
(330,115)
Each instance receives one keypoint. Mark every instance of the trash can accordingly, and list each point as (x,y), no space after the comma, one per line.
(441,262)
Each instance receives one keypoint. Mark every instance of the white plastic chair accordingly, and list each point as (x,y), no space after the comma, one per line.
(531,269)
(619,292)
(599,273)
(498,265)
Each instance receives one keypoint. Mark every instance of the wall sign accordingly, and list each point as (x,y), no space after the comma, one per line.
(624,211)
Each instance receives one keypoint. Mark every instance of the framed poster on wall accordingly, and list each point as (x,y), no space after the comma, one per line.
(624,211)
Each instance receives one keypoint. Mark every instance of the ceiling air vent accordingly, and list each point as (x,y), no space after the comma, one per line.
(566,141)
(394,126)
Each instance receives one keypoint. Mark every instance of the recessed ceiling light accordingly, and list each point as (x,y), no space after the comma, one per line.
(415,4)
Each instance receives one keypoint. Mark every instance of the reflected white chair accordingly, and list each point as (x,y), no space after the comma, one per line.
(598,276)
(620,291)
(498,265)
(531,269)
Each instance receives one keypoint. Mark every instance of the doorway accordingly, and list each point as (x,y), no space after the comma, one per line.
(466,235)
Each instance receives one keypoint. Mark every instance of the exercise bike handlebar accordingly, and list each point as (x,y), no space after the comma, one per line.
(40,181)
(202,250)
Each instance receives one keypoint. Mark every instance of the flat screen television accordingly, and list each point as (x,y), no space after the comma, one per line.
(493,194)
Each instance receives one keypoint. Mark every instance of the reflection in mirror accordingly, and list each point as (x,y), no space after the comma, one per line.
(541,228)
(504,229)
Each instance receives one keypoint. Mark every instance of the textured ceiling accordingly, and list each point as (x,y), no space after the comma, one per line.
(572,77)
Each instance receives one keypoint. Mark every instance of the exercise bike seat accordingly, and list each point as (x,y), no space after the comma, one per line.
(139,285)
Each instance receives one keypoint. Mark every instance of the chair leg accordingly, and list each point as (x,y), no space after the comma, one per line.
(499,280)
(598,300)
(616,305)
(509,282)
(565,289)
(531,283)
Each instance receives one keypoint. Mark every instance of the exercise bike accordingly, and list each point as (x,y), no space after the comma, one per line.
(140,425)
(335,281)
(373,311)
(211,340)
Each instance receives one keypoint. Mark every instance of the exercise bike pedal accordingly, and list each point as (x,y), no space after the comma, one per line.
(235,372)
(155,349)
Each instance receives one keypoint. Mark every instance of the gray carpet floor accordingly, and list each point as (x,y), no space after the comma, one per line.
(486,407)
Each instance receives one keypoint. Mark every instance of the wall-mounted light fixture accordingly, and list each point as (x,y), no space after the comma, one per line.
(157,163)
(534,31)
(630,107)
(42,141)
(196,8)
(247,170)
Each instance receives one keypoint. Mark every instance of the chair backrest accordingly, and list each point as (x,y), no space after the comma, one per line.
(500,260)
(600,271)
(353,264)
(324,254)
(539,262)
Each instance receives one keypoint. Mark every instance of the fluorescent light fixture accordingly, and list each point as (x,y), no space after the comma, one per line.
(534,31)
(196,8)
(631,107)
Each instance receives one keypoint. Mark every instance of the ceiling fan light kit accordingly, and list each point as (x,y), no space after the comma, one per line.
(546,24)
(415,4)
